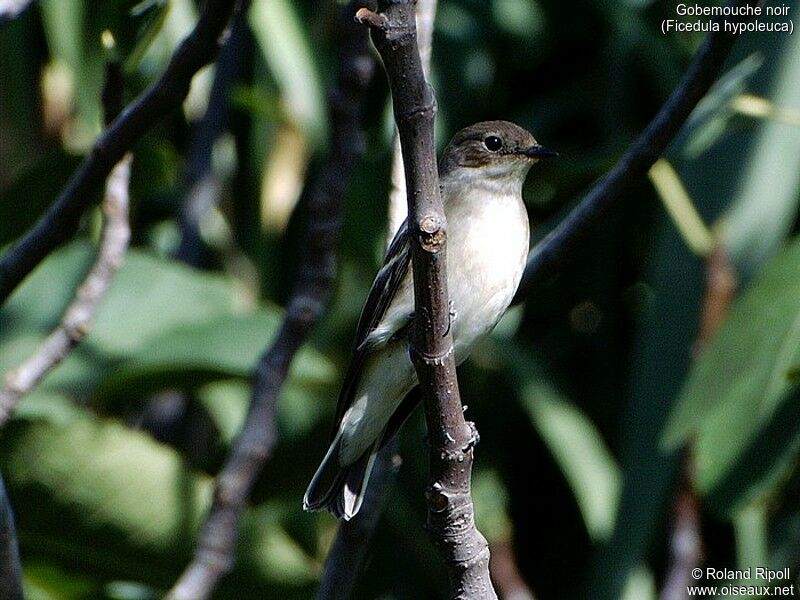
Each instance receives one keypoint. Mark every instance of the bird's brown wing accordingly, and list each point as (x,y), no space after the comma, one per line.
(383,291)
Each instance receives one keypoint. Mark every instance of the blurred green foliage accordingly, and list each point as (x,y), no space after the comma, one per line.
(590,398)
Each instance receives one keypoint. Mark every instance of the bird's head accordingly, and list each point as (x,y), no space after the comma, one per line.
(497,150)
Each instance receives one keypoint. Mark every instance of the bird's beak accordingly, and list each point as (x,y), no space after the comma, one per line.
(537,151)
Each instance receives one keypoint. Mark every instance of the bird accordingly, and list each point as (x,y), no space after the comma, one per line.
(481,174)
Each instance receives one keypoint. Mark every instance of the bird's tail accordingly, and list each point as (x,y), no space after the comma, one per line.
(339,489)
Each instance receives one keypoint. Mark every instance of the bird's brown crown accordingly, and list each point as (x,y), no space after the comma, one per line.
(487,143)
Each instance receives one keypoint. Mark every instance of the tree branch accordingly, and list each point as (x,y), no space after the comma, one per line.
(686,542)
(550,253)
(345,560)
(61,221)
(200,187)
(450,511)
(79,315)
(398,206)
(10,566)
(215,554)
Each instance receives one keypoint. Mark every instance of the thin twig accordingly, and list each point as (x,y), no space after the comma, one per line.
(201,190)
(62,219)
(704,69)
(451,520)
(216,549)
(686,542)
(10,566)
(79,315)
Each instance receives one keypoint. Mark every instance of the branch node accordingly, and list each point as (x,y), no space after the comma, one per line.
(438,498)
(365,16)
(425,110)
(432,234)
(430,360)
(474,437)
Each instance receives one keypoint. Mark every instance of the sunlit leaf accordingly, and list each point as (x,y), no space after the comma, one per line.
(576,445)
(228,346)
(741,379)
(710,119)
(109,500)
(762,213)
(288,52)
(764,463)
(750,529)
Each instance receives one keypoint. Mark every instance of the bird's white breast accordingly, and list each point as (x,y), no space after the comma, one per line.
(487,248)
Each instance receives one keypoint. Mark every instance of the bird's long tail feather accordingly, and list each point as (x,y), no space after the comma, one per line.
(339,489)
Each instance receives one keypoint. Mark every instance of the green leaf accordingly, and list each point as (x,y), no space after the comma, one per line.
(118,506)
(160,325)
(764,463)
(580,451)
(224,347)
(139,26)
(763,210)
(750,529)
(661,359)
(288,52)
(128,489)
(46,581)
(740,382)
(151,294)
(147,295)
(641,585)
(226,402)
(711,118)
(228,345)
(573,440)
(490,497)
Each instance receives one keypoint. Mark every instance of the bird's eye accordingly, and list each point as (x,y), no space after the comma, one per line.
(493,143)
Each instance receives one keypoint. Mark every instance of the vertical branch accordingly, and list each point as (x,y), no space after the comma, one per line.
(398,207)
(450,511)
(216,549)
(345,560)
(10,566)
(686,543)
(200,188)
